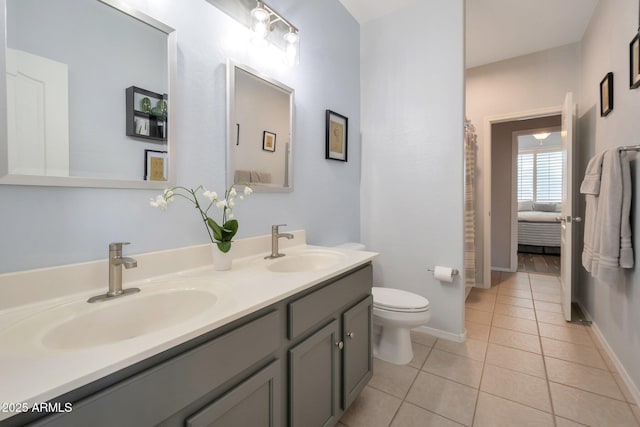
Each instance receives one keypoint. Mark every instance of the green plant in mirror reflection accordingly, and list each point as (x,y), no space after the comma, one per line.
(221,235)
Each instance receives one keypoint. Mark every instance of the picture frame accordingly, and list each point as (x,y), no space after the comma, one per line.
(269,141)
(606,95)
(156,165)
(634,62)
(337,134)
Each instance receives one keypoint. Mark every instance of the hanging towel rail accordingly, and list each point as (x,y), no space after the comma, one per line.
(630,148)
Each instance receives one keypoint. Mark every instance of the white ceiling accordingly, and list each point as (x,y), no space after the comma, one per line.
(502,29)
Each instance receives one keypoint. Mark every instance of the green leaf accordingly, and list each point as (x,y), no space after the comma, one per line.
(224,246)
(217,230)
(230,228)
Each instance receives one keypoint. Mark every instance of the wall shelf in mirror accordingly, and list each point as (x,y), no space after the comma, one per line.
(146,114)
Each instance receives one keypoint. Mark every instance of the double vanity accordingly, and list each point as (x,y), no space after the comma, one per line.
(271,342)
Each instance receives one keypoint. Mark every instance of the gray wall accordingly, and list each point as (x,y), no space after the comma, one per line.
(614,307)
(53,226)
(502,174)
(529,82)
(412,136)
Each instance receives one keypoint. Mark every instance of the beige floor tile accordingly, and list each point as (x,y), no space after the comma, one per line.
(515,324)
(474,349)
(495,278)
(487,293)
(477,331)
(545,288)
(420,353)
(477,316)
(542,296)
(636,412)
(590,409)
(518,302)
(373,408)
(583,377)
(517,276)
(563,422)
(544,278)
(548,306)
(515,339)
(341,425)
(518,293)
(564,333)
(495,411)
(572,353)
(512,310)
(607,360)
(623,388)
(413,416)
(519,286)
(483,301)
(453,367)
(392,379)
(422,338)
(446,398)
(517,360)
(516,386)
(555,319)
(480,305)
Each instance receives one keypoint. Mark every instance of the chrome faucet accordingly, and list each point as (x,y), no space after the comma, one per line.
(116,261)
(275,236)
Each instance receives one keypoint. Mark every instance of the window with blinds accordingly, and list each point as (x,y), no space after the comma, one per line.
(540,176)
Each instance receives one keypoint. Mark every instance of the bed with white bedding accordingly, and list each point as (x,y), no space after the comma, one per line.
(539,228)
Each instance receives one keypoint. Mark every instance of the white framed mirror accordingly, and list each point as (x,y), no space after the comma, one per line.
(260,130)
(86,101)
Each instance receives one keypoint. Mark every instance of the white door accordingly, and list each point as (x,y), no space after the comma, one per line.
(567,219)
(37,115)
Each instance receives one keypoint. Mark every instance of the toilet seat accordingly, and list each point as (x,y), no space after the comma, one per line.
(399,301)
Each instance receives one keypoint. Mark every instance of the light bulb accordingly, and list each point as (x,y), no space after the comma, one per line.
(260,22)
(292,49)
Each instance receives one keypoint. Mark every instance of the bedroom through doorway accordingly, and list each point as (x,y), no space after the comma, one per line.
(538,194)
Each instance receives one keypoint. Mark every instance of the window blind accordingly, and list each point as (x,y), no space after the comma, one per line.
(525,176)
(540,176)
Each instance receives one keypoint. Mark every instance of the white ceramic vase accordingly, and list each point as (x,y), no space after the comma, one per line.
(221,260)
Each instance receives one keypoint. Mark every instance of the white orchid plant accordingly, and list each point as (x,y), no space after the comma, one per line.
(221,235)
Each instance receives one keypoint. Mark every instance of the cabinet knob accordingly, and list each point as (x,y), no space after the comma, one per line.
(339,344)
(351,335)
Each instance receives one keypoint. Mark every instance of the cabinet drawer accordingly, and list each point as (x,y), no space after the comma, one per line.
(255,402)
(156,394)
(316,306)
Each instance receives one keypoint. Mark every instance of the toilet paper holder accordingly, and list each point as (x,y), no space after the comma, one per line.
(454,271)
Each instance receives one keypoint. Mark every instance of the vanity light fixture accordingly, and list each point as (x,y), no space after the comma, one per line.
(263,21)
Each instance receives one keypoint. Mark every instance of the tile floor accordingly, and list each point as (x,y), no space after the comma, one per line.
(522,365)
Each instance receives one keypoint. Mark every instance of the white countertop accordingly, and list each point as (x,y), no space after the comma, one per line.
(33,373)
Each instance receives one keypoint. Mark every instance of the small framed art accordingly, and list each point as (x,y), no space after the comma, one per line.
(156,165)
(268,141)
(606,95)
(634,62)
(337,131)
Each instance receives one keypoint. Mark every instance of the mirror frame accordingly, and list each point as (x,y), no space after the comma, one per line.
(231,84)
(90,182)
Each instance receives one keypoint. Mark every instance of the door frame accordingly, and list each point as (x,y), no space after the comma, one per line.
(486,176)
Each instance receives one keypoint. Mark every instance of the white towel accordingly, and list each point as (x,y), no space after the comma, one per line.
(607,245)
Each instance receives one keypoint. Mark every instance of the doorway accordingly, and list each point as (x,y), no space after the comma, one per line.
(537,190)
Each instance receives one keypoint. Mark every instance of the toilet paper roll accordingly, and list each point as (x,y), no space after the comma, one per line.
(443,274)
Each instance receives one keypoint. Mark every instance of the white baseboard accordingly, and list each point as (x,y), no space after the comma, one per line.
(508,270)
(633,388)
(442,334)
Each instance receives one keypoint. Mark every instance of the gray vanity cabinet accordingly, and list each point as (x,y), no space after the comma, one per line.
(329,368)
(299,363)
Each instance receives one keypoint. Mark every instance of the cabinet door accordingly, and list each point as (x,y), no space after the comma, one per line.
(255,402)
(357,360)
(314,379)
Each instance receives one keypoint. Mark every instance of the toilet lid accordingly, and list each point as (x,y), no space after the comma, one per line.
(398,300)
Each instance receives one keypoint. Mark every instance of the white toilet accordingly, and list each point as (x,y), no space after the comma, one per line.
(395,313)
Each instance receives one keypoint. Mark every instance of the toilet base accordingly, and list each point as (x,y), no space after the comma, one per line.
(394,345)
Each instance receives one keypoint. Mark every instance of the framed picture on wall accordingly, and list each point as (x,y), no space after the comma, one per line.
(634,62)
(337,130)
(156,165)
(268,141)
(606,95)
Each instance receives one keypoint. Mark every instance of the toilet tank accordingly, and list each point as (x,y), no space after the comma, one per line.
(353,246)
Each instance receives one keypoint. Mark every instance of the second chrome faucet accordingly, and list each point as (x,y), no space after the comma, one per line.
(275,236)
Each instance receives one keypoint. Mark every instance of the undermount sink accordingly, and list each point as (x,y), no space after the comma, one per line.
(128,318)
(306,261)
